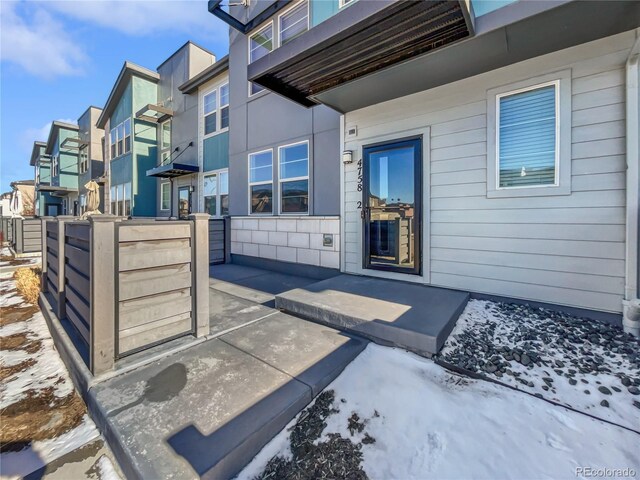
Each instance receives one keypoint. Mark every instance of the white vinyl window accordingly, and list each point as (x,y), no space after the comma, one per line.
(165,141)
(261,43)
(261,182)
(215,110)
(529,137)
(216,193)
(294,178)
(165,196)
(126,199)
(84,159)
(344,3)
(120,139)
(294,22)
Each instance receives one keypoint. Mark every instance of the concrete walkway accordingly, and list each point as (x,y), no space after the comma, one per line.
(206,410)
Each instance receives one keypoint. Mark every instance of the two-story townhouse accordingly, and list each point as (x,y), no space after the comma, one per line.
(45,202)
(90,148)
(130,143)
(490,147)
(284,159)
(210,90)
(178,166)
(61,150)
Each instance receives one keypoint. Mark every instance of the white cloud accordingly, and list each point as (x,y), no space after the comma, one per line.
(38,134)
(145,17)
(40,45)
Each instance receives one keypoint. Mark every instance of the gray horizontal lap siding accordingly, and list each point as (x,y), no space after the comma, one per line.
(566,249)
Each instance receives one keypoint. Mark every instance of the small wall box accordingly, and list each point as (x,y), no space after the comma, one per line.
(327,240)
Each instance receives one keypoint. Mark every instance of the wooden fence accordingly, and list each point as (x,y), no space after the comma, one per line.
(128,284)
(26,235)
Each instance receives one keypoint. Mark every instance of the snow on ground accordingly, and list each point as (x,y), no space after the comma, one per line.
(47,372)
(587,365)
(429,423)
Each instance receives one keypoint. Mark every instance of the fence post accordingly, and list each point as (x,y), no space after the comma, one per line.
(61,310)
(19,237)
(102,348)
(200,265)
(43,247)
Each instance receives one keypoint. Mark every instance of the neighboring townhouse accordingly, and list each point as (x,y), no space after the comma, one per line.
(61,149)
(130,143)
(90,148)
(210,90)
(486,146)
(45,202)
(175,114)
(284,159)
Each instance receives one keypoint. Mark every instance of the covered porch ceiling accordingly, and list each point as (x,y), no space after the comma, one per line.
(393,52)
(340,50)
(172,170)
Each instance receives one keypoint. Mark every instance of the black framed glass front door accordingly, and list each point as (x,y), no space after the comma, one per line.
(391,206)
(184,202)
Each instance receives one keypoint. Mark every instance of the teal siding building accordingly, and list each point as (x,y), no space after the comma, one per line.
(131,143)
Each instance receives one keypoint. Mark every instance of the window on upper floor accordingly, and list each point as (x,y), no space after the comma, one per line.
(164,134)
(294,22)
(293,175)
(215,110)
(261,182)
(54,165)
(120,139)
(344,3)
(84,159)
(261,43)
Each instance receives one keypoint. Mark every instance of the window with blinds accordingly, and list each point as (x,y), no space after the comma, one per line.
(527,144)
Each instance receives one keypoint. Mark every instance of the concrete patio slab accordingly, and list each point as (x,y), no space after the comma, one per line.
(165,416)
(416,317)
(227,312)
(207,410)
(254,284)
(309,352)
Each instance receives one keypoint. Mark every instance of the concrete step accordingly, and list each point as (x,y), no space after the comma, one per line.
(411,316)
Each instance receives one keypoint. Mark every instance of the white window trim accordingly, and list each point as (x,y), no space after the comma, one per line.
(345,3)
(218,111)
(285,12)
(251,184)
(115,141)
(562,186)
(162,184)
(256,32)
(307,178)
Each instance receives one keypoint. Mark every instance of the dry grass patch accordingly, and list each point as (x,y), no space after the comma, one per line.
(28,283)
(17,313)
(20,341)
(38,416)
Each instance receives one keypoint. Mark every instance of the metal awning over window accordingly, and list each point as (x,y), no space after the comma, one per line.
(172,170)
(154,113)
(73,143)
(57,191)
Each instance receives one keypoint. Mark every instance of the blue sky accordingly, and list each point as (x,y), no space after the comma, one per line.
(59,57)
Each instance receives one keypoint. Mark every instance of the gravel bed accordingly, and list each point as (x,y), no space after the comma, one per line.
(334,458)
(588,365)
